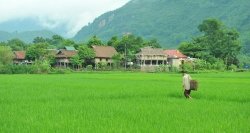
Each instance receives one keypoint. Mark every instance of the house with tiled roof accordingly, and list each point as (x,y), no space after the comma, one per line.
(175,57)
(63,57)
(19,57)
(104,54)
(150,58)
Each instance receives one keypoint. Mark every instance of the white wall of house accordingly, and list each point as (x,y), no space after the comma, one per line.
(151,60)
(105,60)
(63,60)
(175,62)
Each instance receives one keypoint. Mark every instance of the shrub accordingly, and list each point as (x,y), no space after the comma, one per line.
(60,71)
(232,67)
(37,67)
(17,69)
(174,69)
(219,65)
(242,70)
(41,66)
(102,66)
(89,67)
(21,69)
(162,68)
(201,65)
(4,69)
(187,67)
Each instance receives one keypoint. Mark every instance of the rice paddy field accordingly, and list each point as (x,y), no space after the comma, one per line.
(117,102)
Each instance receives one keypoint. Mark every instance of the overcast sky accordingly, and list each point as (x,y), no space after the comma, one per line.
(51,13)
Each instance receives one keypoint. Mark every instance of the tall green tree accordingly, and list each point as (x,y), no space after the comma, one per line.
(37,51)
(16,44)
(195,49)
(76,61)
(68,42)
(114,41)
(86,54)
(130,43)
(217,41)
(39,40)
(153,43)
(6,55)
(56,40)
(117,59)
(94,40)
(221,41)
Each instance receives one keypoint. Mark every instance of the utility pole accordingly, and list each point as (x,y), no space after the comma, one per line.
(125,56)
(125,49)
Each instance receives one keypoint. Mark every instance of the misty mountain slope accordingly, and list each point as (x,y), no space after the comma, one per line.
(27,28)
(4,36)
(20,25)
(169,21)
(26,36)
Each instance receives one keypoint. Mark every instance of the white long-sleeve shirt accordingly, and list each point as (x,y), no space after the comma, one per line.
(186,81)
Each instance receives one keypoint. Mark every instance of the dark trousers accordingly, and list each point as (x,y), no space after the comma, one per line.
(187,93)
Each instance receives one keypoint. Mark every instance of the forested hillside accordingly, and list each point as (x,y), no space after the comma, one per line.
(169,21)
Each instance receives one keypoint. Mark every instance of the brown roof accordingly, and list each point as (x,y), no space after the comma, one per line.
(151,51)
(174,54)
(104,51)
(19,55)
(66,53)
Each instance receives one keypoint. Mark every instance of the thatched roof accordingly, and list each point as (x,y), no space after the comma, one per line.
(104,51)
(151,51)
(66,53)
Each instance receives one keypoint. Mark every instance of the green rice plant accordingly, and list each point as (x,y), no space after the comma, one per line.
(124,102)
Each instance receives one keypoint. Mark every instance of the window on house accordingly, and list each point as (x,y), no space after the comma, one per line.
(147,62)
(154,62)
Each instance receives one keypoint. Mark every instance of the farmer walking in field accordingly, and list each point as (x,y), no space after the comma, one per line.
(186,84)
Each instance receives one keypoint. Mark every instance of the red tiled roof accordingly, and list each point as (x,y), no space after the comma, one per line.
(174,54)
(66,53)
(104,51)
(19,55)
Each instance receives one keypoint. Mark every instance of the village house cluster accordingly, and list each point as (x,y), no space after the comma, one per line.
(147,59)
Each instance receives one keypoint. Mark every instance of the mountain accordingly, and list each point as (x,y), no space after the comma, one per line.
(20,25)
(26,36)
(33,24)
(169,21)
(5,36)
